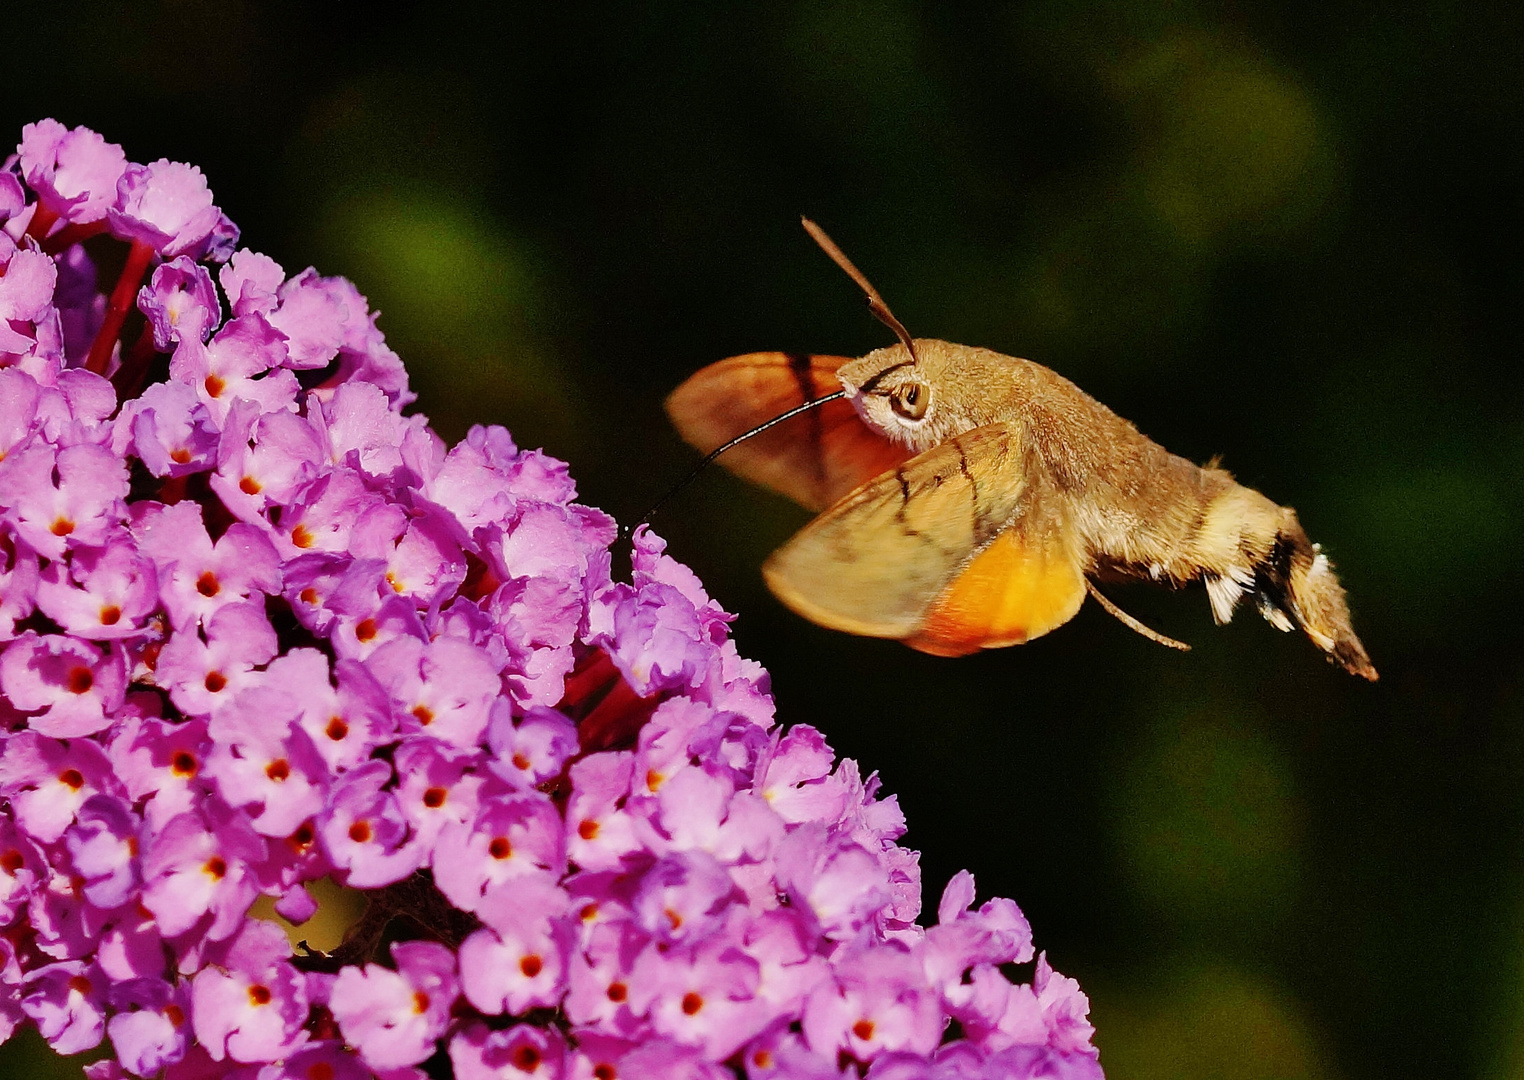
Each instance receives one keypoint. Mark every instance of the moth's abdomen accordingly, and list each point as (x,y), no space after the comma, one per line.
(1296,580)
(1246,543)
(1183,523)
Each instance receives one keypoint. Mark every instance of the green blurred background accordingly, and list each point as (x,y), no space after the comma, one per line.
(1286,232)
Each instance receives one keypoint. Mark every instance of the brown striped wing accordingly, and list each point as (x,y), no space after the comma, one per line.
(962,548)
(814,458)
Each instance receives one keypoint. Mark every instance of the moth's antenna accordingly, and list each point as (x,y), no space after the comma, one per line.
(1133,624)
(709,457)
(876,303)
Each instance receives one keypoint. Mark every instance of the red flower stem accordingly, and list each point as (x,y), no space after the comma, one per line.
(120,304)
(128,379)
(592,678)
(480,581)
(173,490)
(42,221)
(70,235)
(607,710)
(615,721)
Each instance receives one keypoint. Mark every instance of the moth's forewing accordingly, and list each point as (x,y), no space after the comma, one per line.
(889,556)
(814,458)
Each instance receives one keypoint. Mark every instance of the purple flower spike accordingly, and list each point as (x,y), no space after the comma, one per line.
(262,635)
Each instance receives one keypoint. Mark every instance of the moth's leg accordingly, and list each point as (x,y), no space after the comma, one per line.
(1133,624)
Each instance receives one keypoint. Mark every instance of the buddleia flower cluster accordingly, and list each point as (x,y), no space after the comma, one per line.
(260,627)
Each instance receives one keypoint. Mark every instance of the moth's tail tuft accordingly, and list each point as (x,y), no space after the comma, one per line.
(1296,586)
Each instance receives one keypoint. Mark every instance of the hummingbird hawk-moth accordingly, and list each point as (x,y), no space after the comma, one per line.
(969,500)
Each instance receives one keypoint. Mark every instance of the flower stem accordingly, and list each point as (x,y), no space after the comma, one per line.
(120,304)
(615,721)
(42,221)
(129,378)
(592,678)
(70,235)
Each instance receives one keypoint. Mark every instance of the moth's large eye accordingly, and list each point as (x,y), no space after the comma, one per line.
(911,401)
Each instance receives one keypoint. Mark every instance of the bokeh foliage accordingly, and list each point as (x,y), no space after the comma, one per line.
(1286,232)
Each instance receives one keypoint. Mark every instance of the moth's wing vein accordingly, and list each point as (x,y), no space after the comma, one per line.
(873,562)
(1025,574)
(814,458)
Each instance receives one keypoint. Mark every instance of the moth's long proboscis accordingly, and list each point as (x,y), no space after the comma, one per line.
(717,451)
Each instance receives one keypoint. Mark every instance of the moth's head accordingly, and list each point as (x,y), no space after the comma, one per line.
(901,397)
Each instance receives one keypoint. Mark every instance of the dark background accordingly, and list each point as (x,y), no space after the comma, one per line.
(1284,232)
